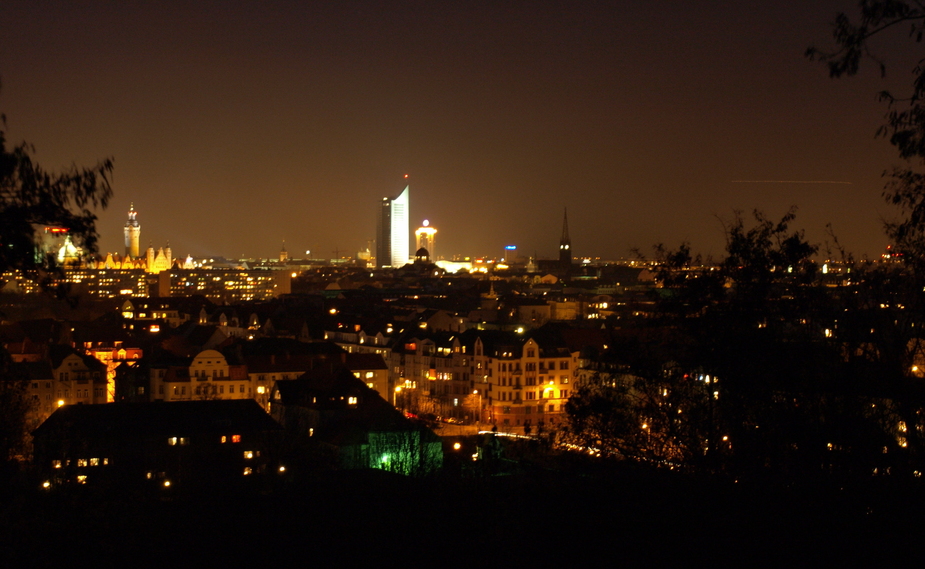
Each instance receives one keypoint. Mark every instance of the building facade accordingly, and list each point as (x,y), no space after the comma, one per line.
(426,237)
(393,242)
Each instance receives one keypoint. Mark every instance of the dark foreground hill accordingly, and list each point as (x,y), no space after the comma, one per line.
(532,518)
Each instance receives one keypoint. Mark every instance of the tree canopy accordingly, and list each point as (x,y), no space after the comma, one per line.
(905,119)
(32,198)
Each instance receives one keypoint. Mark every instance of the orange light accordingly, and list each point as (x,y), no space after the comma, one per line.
(406,175)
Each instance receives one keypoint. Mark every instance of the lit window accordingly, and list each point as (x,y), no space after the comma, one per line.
(94,462)
(172,441)
(248,454)
(247,470)
(351,400)
(235,438)
(81,462)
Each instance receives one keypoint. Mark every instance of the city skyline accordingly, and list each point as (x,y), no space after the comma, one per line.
(652,123)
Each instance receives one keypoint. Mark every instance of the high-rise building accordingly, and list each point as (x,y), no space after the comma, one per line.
(132,233)
(426,237)
(392,245)
(384,234)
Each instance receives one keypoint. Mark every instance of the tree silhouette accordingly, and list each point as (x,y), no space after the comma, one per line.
(905,118)
(31,197)
(743,368)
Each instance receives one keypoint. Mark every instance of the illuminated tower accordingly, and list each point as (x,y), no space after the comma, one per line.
(425,236)
(392,245)
(565,244)
(132,233)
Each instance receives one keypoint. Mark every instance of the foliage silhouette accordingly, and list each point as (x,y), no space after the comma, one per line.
(31,198)
(905,119)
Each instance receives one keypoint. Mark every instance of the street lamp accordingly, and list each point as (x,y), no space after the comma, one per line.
(395,396)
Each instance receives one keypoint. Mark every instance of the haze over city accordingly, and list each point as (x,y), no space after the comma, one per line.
(235,126)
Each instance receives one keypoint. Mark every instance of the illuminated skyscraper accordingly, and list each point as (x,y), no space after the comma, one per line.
(426,236)
(392,245)
(132,233)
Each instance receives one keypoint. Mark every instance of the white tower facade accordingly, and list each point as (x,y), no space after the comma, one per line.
(400,221)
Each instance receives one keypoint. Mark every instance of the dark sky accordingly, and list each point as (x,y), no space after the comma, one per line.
(235,125)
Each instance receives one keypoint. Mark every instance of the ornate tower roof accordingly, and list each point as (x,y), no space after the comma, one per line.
(132,222)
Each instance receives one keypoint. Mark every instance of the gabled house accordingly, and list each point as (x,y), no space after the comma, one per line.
(189,445)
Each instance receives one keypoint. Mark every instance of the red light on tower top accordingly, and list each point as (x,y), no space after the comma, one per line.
(406,175)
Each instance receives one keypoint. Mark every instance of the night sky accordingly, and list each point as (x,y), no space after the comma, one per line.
(236,125)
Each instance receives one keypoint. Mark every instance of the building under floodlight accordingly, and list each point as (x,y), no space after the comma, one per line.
(393,242)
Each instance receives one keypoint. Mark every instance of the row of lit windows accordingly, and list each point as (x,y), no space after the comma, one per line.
(203,389)
(529,409)
(539,394)
(531,366)
(530,381)
(80,462)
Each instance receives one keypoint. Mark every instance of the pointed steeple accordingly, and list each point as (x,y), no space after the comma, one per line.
(565,243)
(565,238)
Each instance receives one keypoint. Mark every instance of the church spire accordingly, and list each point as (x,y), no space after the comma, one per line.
(565,243)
